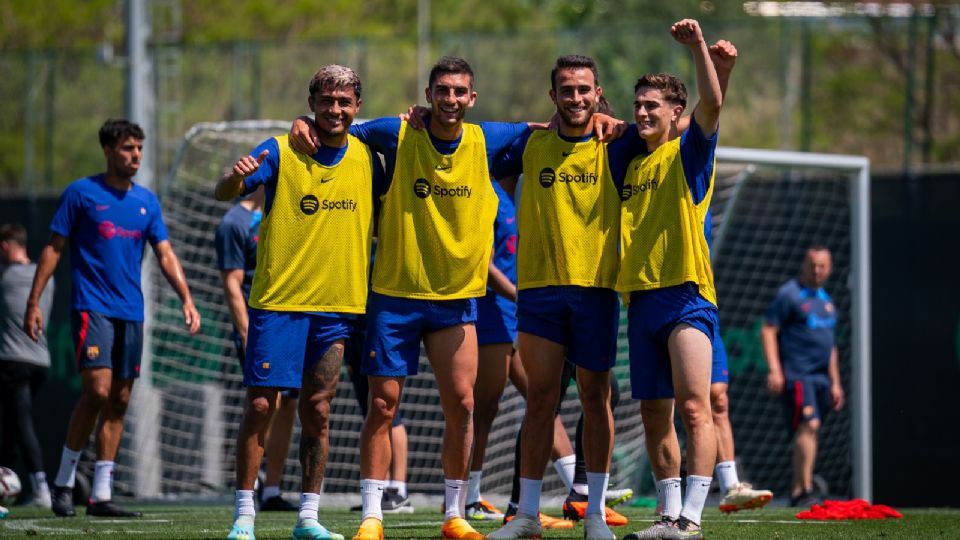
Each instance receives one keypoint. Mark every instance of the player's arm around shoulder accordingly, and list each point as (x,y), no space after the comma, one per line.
(173,271)
(707,115)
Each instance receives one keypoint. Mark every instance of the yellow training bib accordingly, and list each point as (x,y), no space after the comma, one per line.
(661,232)
(436,224)
(569,214)
(314,246)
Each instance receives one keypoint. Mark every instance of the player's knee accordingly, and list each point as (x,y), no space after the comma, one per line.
(96,395)
(811,426)
(461,409)
(595,402)
(657,411)
(383,410)
(719,402)
(694,412)
(258,409)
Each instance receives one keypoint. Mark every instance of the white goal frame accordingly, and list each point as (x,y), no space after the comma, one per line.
(861,398)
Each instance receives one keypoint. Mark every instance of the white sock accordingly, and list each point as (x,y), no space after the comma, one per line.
(398,485)
(473,487)
(243,504)
(669,497)
(597,486)
(268,492)
(727,475)
(454,497)
(566,467)
(38,481)
(310,506)
(529,496)
(581,489)
(697,489)
(371,493)
(102,481)
(67,474)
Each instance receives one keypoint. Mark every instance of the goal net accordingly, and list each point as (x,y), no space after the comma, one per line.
(187,406)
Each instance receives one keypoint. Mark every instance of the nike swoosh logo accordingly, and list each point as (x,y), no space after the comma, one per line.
(565,154)
(325,180)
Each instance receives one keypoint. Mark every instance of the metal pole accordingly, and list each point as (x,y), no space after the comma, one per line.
(139,90)
(145,403)
(423,45)
(862,356)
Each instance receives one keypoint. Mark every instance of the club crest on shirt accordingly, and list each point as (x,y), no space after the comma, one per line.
(143,211)
(93,352)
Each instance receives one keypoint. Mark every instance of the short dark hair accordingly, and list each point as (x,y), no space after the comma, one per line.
(13,232)
(817,246)
(115,130)
(450,65)
(672,88)
(574,61)
(336,76)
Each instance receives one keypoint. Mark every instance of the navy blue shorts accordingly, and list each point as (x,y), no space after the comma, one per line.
(396,325)
(805,400)
(583,319)
(282,344)
(496,320)
(107,342)
(352,357)
(651,317)
(720,373)
(292,393)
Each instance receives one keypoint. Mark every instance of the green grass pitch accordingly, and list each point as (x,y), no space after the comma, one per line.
(206,521)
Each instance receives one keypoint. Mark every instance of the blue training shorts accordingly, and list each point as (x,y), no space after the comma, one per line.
(805,400)
(720,373)
(396,325)
(496,320)
(292,393)
(282,344)
(651,317)
(107,342)
(584,319)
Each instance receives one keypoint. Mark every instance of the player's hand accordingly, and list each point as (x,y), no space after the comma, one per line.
(687,32)
(775,383)
(303,136)
(191,318)
(416,116)
(33,322)
(249,164)
(723,55)
(608,128)
(837,397)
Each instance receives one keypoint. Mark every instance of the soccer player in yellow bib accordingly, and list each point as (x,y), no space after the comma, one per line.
(310,284)
(665,269)
(568,219)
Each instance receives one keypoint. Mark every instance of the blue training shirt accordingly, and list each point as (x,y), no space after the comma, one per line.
(236,243)
(107,230)
(805,319)
(505,235)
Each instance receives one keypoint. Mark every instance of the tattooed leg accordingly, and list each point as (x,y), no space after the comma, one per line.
(319,387)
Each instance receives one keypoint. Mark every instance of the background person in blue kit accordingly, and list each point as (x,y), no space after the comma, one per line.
(236,245)
(107,219)
(798,344)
